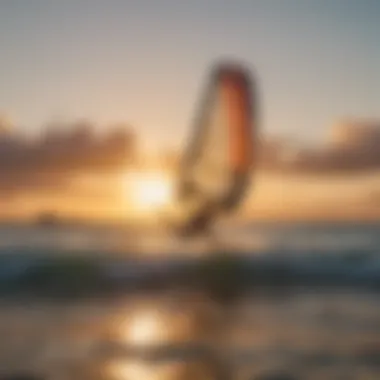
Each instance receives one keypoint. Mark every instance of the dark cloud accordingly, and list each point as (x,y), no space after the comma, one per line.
(51,161)
(352,148)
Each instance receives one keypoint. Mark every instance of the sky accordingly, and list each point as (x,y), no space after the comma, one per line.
(145,62)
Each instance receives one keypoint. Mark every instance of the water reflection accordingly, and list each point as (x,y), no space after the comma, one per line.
(313,335)
(140,370)
(146,328)
(168,339)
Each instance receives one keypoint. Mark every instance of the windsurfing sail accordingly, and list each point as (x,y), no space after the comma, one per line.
(217,162)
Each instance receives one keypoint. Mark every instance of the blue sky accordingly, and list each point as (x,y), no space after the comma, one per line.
(145,61)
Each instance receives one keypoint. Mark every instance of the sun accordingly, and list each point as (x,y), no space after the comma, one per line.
(148,191)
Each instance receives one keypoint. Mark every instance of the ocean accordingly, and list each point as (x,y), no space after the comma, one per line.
(81,302)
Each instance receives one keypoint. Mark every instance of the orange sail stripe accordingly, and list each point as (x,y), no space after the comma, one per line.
(237,105)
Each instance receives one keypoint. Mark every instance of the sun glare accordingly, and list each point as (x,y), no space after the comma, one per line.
(146,329)
(148,191)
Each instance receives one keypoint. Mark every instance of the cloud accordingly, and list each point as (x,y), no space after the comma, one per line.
(63,152)
(353,147)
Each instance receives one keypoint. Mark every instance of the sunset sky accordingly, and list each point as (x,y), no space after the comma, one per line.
(144,63)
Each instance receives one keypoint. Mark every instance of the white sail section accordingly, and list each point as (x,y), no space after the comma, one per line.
(222,145)
(210,169)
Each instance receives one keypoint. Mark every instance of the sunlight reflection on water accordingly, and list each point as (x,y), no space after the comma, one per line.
(171,326)
(313,335)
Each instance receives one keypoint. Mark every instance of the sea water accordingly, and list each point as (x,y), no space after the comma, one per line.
(321,322)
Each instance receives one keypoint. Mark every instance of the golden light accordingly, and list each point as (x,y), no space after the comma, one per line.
(148,191)
(146,328)
(140,370)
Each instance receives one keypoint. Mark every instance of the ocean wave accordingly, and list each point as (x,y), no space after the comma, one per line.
(61,272)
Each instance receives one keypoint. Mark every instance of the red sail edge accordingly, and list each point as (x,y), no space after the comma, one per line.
(236,89)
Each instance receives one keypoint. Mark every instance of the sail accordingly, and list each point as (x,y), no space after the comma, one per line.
(219,157)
